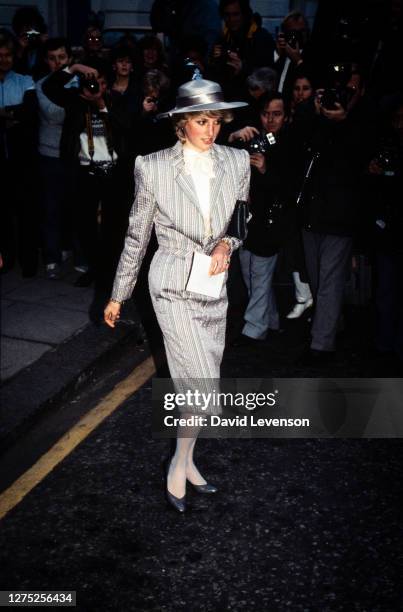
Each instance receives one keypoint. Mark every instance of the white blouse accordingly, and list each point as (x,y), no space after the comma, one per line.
(200,167)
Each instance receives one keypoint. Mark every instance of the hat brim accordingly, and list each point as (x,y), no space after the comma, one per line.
(197,108)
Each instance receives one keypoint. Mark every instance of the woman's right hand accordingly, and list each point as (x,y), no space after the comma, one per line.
(112,313)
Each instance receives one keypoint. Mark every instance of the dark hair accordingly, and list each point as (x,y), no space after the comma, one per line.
(149,41)
(268,97)
(193,42)
(243,5)
(28,16)
(120,52)
(302,73)
(99,64)
(294,16)
(7,39)
(56,43)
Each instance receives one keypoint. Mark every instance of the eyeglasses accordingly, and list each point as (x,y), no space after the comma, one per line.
(94,38)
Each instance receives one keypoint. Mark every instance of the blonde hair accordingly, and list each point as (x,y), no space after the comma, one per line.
(179,120)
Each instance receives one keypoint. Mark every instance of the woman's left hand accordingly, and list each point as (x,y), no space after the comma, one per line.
(220,259)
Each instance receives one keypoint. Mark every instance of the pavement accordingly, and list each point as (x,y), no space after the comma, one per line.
(49,343)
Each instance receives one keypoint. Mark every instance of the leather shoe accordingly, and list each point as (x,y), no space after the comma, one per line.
(204,488)
(178,503)
(299,309)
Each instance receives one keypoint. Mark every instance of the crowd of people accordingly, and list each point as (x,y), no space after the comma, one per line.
(323,128)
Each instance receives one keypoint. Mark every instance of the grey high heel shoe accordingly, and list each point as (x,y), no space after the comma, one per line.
(178,503)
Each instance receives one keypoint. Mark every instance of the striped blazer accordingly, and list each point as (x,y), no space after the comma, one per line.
(165,196)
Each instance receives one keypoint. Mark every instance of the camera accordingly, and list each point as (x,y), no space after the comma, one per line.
(32,35)
(337,91)
(340,95)
(259,144)
(90,84)
(33,38)
(226,50)
(293,38)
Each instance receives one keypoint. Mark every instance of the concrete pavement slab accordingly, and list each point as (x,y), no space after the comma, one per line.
(17,354)
(54,294)
(41,323)
(12,280)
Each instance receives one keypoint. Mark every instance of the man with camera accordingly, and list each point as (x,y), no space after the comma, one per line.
(31,32)
(271,194)
(291,49)
(337,150)
(243,46)
(92,142)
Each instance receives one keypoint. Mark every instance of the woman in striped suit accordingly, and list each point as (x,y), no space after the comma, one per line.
(189,193)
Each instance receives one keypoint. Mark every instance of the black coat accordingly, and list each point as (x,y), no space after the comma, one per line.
(272,198)
(332,195)
(119,117)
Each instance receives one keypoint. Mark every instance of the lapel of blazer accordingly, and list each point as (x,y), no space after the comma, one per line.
(183,179)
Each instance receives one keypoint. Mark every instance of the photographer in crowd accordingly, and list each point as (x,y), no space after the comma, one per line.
(94,143)
(243,46)
(337,149)
(292,49)
(272,195)
(31,31)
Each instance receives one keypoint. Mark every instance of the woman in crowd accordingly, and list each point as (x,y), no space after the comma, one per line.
(122,82)
(151,55)
(150,134)
(189,193)
(302,90)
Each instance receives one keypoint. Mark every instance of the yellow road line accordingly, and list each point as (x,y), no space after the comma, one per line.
(23,485)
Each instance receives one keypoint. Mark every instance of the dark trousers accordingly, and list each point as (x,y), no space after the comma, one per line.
(56,202)
(389,302)
(102,207)
(19,214)
(327,259)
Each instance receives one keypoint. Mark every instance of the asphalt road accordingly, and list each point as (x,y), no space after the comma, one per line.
(299,525)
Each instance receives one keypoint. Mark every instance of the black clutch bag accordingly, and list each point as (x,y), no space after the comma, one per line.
(238,226)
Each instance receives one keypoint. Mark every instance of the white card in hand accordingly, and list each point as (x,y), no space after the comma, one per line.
(199,280)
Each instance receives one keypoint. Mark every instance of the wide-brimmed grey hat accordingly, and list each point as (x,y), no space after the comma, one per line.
(200,95)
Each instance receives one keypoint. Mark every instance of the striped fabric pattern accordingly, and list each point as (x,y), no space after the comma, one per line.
(193,325)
